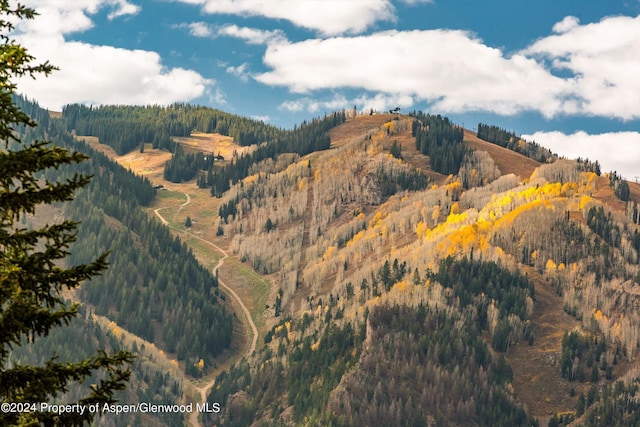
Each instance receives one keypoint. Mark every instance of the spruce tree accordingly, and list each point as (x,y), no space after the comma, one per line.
(32,276)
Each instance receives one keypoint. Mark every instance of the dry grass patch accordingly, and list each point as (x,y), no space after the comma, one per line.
(211,143)
(507,161)
(634,189)
(606,195)
(150,163)
(357,127)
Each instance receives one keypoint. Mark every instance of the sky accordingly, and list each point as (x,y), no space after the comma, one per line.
(565,74)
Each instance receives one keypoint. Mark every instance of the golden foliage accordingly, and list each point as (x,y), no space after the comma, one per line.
(421,229)
(551,266)
(584,201)
(329,253)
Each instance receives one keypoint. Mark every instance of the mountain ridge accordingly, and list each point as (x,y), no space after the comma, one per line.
(365,227)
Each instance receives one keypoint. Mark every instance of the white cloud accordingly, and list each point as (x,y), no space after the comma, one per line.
(382,102)
(197,29)
(68,16)
(294,106)
(604,57)
(107,75)
(217,97)
(123,8)
(97,74)
(456,72)
(452,69)
(314,105)
(328,18)
(241,71)
(250,35)
(619,151)
(378,102)
(264,118)
(567,24)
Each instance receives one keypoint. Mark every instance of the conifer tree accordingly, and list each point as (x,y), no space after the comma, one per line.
(32,278)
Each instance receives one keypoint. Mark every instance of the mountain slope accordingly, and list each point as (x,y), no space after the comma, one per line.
(388,291)
(367,256)
(507,161)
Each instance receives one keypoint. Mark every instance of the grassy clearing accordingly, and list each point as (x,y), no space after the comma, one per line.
(166,195)
(207,255)
(212,143)
(252,288)
(208,214)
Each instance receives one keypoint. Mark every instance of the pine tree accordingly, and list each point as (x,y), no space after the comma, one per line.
(396,150)
(31,277)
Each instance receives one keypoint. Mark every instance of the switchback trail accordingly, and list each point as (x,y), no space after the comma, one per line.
(204,388)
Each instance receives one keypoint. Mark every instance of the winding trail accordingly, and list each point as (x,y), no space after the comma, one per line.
(203,389)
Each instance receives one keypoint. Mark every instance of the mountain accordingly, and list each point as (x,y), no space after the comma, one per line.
(392,269)
(401,303)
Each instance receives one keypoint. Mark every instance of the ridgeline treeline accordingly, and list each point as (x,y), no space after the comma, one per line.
(302,140)
(439,139)
(125,127)
(513,142)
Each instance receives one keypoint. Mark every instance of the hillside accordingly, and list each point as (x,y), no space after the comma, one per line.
(507,161)
(354,252)
(393,270)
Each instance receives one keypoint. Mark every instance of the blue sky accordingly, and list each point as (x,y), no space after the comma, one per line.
(565,73)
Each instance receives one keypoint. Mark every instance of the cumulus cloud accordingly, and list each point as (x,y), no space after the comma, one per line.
(328,18)
(619,151)
(604,58)
(68,16)
(98,74)
(452,69)
(123,8)
(456,72)
(250,35)
(107,75)
(567,24)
